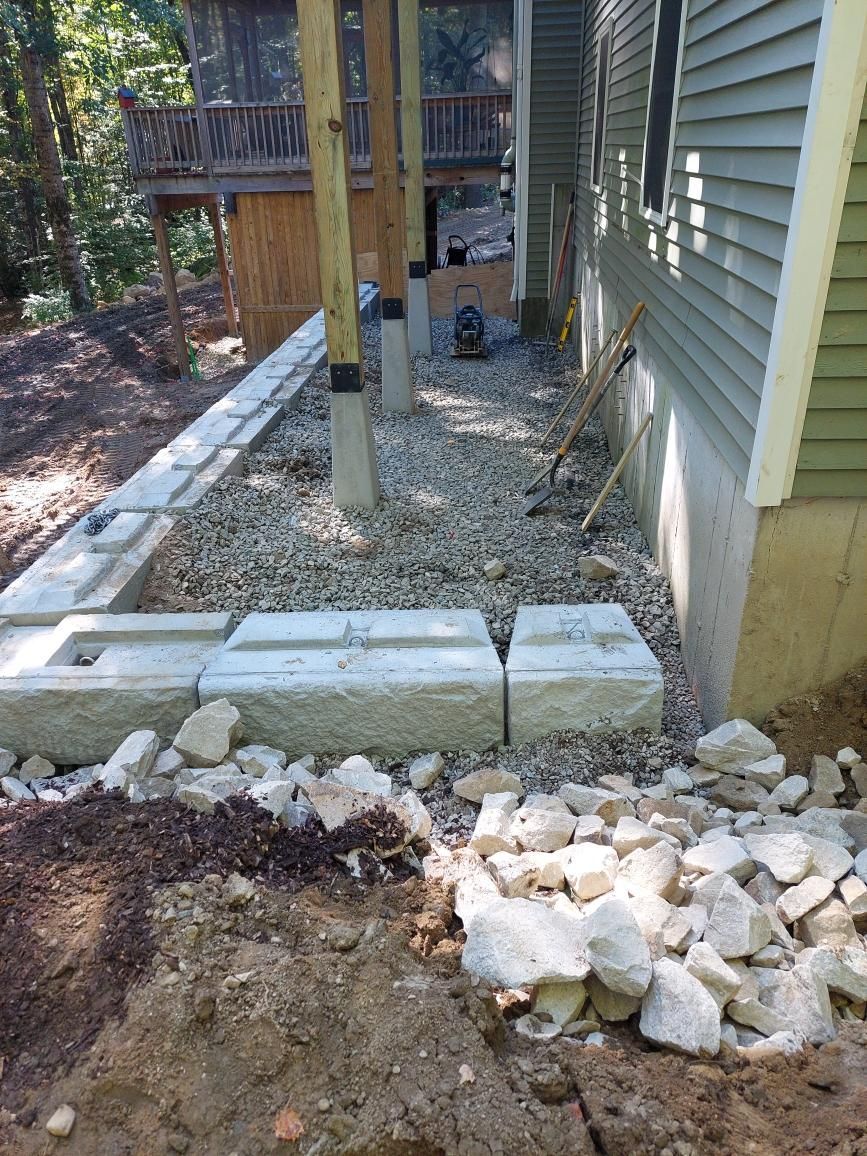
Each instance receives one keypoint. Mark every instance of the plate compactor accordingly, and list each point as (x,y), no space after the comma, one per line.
(469,326)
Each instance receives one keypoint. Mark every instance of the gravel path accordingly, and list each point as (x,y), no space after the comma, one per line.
(452,479)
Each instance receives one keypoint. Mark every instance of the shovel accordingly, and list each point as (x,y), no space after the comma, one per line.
(587,410)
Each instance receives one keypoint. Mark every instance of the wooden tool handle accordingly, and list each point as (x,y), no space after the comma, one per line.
(616,472)
(600,382)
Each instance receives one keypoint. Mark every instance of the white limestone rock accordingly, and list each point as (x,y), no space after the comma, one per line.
(588,829)
(770,956)
(859,865)
(495,570)
(607,805)
(543,823)
(830,860)
(737,925)
(858,774)
(167,764)
(711,970)
(631,834)
(561,1001)
(615,949)
(825,777)
(779,1044)
(828,924)
(748,821)
(752,1013)
(516,943)
(136,755)
(853,892)
(550,868)
(678,829)
(113,779)
(491,833)
(678,781)
(844,970)
(358,774)
(679,1013)
(465,875)
(61,1122)
(597,567)
(847,758)
(621,785)
(787,857)
(613,1006)
(257,760)
(590,869)
(660,924)
(703,776)
(800,996)
(198,798)
(536,1029)
(209,734)
(420,821)
(738,794)
(514,876)
(487,781)
(768,773)
(35,768)
(655,870)
(790,792)
(724,855)
(733,746)
(425,770)
(15,790)
(8,759)
(797,901)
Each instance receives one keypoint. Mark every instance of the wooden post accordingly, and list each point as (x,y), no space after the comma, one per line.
(397,388)
(173,305)
(223,266)
(355,480)
(418,298)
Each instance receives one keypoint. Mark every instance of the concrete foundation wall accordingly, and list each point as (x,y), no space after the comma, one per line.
(769,602)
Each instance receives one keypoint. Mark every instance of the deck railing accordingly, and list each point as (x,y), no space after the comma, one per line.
(458,128)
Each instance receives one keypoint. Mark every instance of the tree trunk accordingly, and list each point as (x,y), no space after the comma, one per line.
(65,133)
(23,159)
(53,188)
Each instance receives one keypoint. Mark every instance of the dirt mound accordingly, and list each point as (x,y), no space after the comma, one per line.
(84,404)
(821,722)
(202,1016)
(77,886)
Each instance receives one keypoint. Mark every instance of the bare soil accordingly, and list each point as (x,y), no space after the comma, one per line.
(86,403)
(821,722)
(177,1018)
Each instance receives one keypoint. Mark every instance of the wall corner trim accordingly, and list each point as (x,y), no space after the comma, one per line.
(830,130)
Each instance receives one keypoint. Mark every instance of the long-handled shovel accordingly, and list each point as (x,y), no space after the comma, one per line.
(550,471)
(590,402)
(585,377)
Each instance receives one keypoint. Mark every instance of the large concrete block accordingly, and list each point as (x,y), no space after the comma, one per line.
(379,681)
(176,478)
(84,574)
(73,693)
(581,668)
(241,423)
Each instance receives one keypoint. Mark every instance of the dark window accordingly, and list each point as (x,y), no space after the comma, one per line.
(600,107)
(661,107)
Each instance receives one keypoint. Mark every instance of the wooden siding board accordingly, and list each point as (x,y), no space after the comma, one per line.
(710,280)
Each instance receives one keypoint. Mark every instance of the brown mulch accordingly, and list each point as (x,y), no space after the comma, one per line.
(77,883)
(86,403)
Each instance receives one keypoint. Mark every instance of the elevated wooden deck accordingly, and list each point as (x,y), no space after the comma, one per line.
(248,147)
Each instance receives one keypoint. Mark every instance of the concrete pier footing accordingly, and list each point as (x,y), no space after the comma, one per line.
(397,389)
(418,316)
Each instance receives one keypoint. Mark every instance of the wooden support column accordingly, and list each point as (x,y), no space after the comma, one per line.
(223,266)
(173,305)
(418,297)
(397,388)
(355,479)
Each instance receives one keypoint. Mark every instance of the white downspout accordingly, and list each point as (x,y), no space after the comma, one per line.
(524,38)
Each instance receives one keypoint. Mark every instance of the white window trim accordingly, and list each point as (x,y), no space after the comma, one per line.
(608,27)
(649,214)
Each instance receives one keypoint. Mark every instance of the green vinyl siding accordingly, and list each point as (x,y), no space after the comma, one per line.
(832,458)
(710,278)
(554,82)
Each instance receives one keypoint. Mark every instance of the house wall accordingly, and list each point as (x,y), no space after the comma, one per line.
(710,279)
(553,94)
(769,601)
(832,460)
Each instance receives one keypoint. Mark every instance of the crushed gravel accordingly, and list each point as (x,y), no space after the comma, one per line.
(452,479)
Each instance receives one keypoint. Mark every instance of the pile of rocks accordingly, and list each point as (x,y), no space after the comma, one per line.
(154,284)
(206,765)
(724,907)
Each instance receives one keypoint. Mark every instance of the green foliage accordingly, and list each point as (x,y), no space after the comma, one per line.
(458,59)
(48,307)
